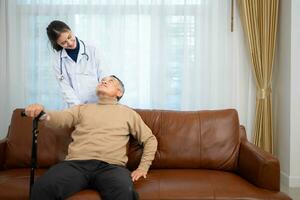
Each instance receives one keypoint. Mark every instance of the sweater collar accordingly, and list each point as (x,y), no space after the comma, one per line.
(107,101)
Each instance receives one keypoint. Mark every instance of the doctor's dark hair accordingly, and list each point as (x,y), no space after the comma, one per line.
(54,29)
(122,87)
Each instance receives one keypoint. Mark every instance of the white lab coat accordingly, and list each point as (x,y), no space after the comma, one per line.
(78,85)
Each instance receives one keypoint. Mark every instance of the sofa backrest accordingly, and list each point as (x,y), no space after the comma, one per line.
(186,139)
(52,144)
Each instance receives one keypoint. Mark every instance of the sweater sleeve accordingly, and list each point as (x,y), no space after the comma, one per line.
(66,118)
(144,135)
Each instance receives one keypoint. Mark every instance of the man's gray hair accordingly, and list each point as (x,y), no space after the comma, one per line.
(121,86)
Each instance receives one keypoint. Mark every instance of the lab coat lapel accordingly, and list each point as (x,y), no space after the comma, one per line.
(64,53)
(81,51)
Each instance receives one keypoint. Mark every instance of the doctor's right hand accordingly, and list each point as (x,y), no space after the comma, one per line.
(34,110)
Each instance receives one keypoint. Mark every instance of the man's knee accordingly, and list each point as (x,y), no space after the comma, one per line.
(127,189)
(130,192)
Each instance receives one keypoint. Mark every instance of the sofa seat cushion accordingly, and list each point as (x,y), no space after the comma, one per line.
(200,184)
(85,195)
(160,184)
(14,183)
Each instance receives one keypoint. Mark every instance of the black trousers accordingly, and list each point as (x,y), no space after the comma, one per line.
(113,182)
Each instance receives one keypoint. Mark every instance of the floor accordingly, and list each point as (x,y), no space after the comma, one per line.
(294,193)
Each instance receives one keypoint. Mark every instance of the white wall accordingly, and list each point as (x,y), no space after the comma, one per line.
(295,94)
(281,88)
(286,93)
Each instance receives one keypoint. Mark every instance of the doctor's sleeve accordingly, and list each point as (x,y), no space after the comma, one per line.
(68,92)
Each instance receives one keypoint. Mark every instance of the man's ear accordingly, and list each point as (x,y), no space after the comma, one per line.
(119,93)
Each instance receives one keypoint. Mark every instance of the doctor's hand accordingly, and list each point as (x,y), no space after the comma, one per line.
(34,110)
(136,174)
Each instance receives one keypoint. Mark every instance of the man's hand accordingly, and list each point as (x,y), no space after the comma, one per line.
(136,174)
(34,110)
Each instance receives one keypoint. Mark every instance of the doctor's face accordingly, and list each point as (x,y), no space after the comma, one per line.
(67,40)
(109,86)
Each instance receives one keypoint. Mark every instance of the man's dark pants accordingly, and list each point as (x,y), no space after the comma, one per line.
(68,177)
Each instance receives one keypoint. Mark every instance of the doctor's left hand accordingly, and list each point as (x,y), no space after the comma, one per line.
(136,174)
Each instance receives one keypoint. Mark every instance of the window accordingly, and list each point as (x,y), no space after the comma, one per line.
(170,54)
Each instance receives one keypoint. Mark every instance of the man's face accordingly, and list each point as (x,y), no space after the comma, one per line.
(109,86)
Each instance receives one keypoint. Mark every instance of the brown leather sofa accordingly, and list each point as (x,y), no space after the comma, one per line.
(201,155)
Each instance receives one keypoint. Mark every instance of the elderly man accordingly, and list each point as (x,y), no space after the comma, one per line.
(97,155)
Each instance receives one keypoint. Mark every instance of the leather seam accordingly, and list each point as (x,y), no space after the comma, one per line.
(199,138)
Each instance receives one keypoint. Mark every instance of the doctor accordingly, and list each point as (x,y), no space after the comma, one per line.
(76,66)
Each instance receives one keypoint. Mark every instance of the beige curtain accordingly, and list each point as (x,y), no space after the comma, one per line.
(259,19)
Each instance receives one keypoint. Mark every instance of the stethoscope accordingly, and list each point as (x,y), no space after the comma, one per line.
(61,76)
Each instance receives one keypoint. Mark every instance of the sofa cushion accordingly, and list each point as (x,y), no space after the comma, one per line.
(86,195)
(18,180)
(200,184)
(14,183)
(52,144)
(160,184)
(194,139)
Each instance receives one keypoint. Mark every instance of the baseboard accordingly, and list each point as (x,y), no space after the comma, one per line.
(295,181)
(284,178)
(290,181)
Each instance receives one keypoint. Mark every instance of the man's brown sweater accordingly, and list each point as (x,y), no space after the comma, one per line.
(102,132)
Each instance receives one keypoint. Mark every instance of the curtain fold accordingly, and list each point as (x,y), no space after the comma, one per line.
(3,66)
(259,19)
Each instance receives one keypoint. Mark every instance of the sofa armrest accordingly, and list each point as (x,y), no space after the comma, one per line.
(2,152)
(258,167)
